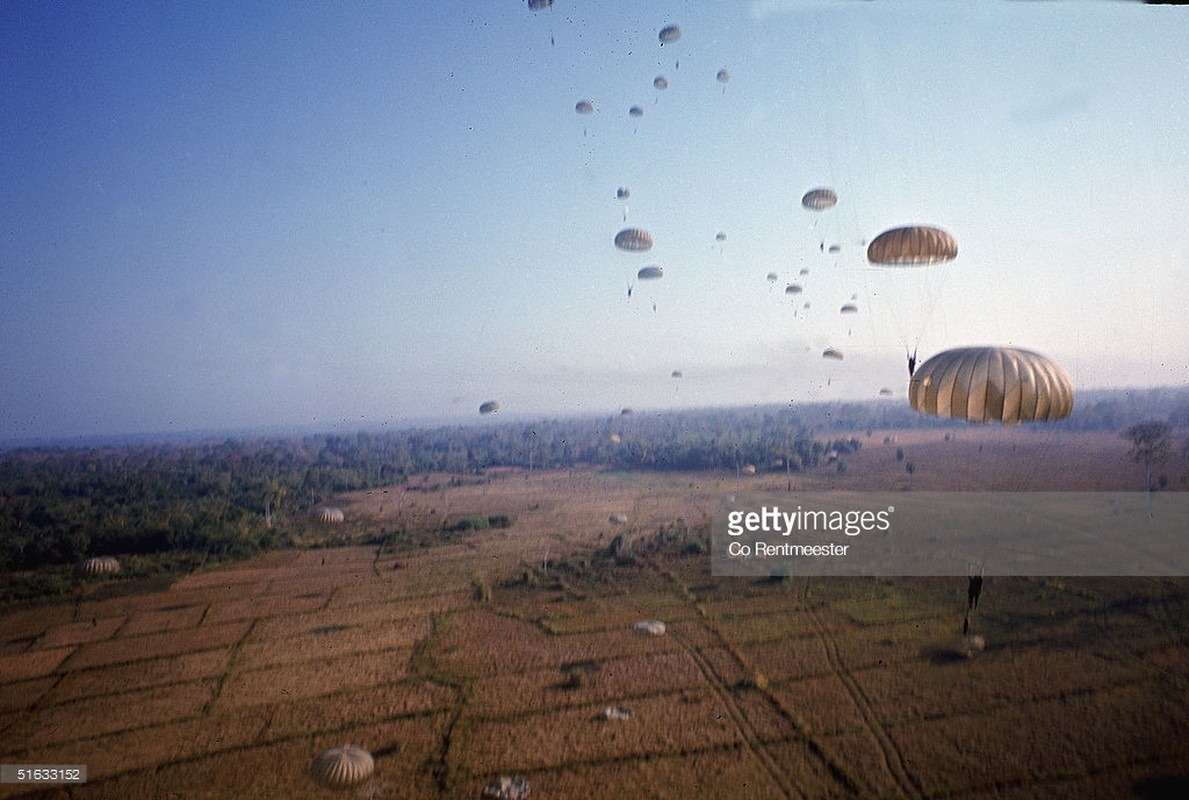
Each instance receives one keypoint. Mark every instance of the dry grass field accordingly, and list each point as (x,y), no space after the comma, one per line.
(494,652)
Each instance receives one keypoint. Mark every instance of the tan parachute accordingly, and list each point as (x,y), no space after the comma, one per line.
(991,384)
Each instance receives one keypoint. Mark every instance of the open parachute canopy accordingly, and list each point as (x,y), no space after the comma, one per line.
(651,273)
(584,107)
(991,384)
(832,354)
(819,199)
(489,407)
(912,244)
(669,34)
(634,240)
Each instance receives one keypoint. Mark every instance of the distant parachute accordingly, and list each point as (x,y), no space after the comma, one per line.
(819,199)
(489,407)
(669,34)
(636,111)
(804,271)
(911,245)
(885,392)
(651,273)
(537,5)
(660,82)
(99,565)
(634,240)
(584,107)
(676,374)
(723,76)
(624,412)
(720,237)
(343,767)
(773,277)
(833,354)
(622,193)
(793,288)
(834,248)
(991,384)
(849,308)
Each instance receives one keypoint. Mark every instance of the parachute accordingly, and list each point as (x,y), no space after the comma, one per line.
(676,374)
(991,384)
(537,5)
(660,82)
(584,107)
(633,240)
(912,245)
(720,237)
(819,199)
(669,34)
(849,308)
(651,273)
(723,76)
(636,111)
(793,288)
(622,194)
(773,277)
(831,353)
(489,407)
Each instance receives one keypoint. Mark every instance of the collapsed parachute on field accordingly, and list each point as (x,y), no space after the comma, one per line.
(912,245)
(991,384)
(489,407)
(633,240)
(819,199)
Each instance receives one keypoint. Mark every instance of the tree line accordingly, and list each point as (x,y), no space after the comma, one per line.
(232,497)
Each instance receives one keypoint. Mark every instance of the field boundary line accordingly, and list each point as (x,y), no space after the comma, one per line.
(892,757)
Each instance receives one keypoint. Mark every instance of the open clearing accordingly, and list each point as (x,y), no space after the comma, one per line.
(483,654)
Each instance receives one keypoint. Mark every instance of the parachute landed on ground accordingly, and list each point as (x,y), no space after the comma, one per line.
(992,384)
(490,407)
(633,240)
(912,245)
(819,199)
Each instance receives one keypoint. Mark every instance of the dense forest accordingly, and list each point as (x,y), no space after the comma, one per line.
(229,498)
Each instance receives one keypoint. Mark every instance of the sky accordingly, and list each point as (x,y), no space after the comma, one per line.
(238,215)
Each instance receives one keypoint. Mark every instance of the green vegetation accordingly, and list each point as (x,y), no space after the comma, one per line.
(185,505)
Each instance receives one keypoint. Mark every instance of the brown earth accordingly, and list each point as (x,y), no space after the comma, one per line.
(231,681)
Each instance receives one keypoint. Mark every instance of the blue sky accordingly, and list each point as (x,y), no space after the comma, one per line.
(342,214)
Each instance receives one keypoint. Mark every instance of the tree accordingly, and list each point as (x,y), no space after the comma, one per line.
(1149,445)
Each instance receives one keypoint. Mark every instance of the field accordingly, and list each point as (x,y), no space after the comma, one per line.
(497,651)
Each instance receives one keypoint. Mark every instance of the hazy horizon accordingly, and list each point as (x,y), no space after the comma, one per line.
(229,218)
